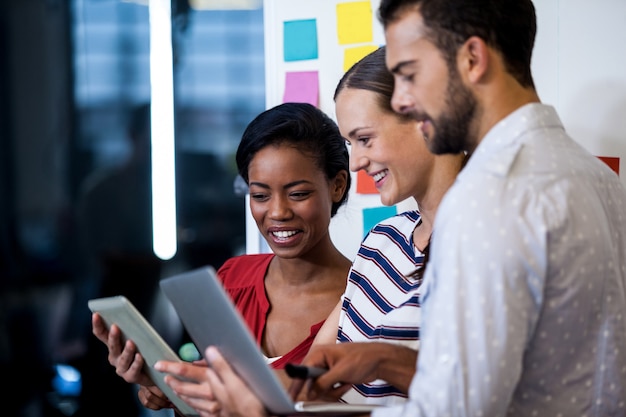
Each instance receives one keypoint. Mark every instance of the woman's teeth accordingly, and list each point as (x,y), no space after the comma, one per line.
(284,234)
(380,176)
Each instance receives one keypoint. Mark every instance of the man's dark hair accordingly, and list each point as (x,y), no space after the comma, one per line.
(508,26)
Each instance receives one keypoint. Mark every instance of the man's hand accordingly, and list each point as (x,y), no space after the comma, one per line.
(356,363)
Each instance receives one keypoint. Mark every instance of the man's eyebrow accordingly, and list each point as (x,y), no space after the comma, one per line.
(398,67)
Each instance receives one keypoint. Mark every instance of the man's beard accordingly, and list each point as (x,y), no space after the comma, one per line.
(452,128)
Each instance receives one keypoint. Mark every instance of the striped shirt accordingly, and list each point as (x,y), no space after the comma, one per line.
(381,300)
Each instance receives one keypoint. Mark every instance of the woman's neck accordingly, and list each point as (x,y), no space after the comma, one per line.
(317,267)
(441,179)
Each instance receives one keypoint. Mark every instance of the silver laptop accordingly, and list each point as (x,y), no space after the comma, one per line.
(211,319)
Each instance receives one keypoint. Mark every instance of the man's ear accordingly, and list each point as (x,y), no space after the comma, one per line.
(473,59)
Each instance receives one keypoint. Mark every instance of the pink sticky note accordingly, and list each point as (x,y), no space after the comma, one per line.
(301,87)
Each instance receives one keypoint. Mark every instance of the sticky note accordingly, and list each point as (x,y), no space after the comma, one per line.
(365,183)
(302,87)
(300,40)
(612,162)
(354,22)
(373,215)
(353,55)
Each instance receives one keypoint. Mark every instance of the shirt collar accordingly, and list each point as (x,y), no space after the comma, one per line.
(499,147)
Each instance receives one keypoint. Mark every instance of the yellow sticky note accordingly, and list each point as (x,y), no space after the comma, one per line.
(352,55)
(354,22)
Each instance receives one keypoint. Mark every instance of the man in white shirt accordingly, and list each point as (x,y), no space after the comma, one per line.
(525,295)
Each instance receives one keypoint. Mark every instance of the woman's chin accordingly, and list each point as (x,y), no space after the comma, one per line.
(387,201)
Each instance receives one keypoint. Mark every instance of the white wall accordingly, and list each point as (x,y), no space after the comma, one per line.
(579,66)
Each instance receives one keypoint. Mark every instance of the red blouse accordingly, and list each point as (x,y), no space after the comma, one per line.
(243,278)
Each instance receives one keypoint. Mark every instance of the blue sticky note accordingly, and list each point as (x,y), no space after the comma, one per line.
(300,40)
(373,215)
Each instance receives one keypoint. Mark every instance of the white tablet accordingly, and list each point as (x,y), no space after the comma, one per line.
(118,310)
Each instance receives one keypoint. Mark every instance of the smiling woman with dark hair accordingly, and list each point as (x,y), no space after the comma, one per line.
(295,164)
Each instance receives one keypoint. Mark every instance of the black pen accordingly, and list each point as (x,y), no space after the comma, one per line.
(303,372)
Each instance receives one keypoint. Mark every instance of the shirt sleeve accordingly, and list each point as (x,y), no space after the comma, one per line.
(480,303)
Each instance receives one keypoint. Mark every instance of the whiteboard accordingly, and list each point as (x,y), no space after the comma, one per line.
(346,227)
(578,67)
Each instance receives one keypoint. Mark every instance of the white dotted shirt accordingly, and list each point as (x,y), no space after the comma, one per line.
(524,298)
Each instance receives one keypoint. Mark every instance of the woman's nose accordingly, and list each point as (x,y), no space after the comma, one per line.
(358,159)
(279,208)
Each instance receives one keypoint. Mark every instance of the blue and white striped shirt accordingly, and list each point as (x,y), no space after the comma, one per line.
(381,300)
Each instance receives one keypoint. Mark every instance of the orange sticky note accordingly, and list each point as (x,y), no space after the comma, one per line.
(365,183)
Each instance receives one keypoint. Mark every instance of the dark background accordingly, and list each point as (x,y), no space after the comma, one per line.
(74,201)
